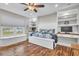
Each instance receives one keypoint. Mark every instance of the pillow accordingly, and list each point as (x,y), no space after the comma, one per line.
(33,34)
(40,34)
(48,36)
(44,35)
(36,34)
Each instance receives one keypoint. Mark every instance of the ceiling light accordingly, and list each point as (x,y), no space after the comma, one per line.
(30,7)
(56,5)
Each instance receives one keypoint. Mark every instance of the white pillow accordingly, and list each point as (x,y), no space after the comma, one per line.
(48,36)
(40,34)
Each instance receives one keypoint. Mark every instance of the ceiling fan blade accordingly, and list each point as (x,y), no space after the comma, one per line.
(35,10)
(31,4)
(26,9)
(24,3)
(39,5)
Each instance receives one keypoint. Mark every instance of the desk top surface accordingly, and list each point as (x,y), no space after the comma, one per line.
(68,35)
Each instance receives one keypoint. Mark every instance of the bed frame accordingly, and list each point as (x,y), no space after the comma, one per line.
(44,42)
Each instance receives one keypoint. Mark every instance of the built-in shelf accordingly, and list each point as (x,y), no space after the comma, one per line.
(68,18)
(68,25)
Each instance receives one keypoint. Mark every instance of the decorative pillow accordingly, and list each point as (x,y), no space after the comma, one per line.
(48,36)
(37,34)
(40,34)
(33,34)
(44,35)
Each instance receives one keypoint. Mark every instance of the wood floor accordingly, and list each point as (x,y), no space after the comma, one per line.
(29,49)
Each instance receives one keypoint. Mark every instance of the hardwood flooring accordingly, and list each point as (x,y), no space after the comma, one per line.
(29,49)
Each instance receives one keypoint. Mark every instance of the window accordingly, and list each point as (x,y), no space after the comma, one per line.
(7,31)
(19,30)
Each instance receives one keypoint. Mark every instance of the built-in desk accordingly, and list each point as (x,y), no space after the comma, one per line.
(68,39)
(68,35)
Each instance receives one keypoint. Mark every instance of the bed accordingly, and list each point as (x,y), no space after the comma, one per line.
(43,39)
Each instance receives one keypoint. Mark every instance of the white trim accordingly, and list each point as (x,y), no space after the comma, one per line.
(24,35)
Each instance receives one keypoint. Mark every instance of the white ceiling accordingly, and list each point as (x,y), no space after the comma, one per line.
(48,9)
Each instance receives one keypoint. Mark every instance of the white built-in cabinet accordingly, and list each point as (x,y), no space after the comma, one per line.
(68,18)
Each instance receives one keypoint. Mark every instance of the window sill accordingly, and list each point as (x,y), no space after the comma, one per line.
(15,36)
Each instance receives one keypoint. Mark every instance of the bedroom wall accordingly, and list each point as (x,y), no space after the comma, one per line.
(48,22)
(8,18)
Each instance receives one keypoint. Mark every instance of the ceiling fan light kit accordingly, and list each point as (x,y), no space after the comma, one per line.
(32,6)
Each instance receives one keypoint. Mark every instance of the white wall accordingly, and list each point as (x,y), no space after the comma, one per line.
(48,22)
(12,19)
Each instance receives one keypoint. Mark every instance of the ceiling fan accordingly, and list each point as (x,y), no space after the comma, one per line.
(32,6)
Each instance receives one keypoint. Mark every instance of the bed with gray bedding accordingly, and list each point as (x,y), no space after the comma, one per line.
(44,39)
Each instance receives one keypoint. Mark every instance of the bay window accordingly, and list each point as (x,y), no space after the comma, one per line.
(6,31)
